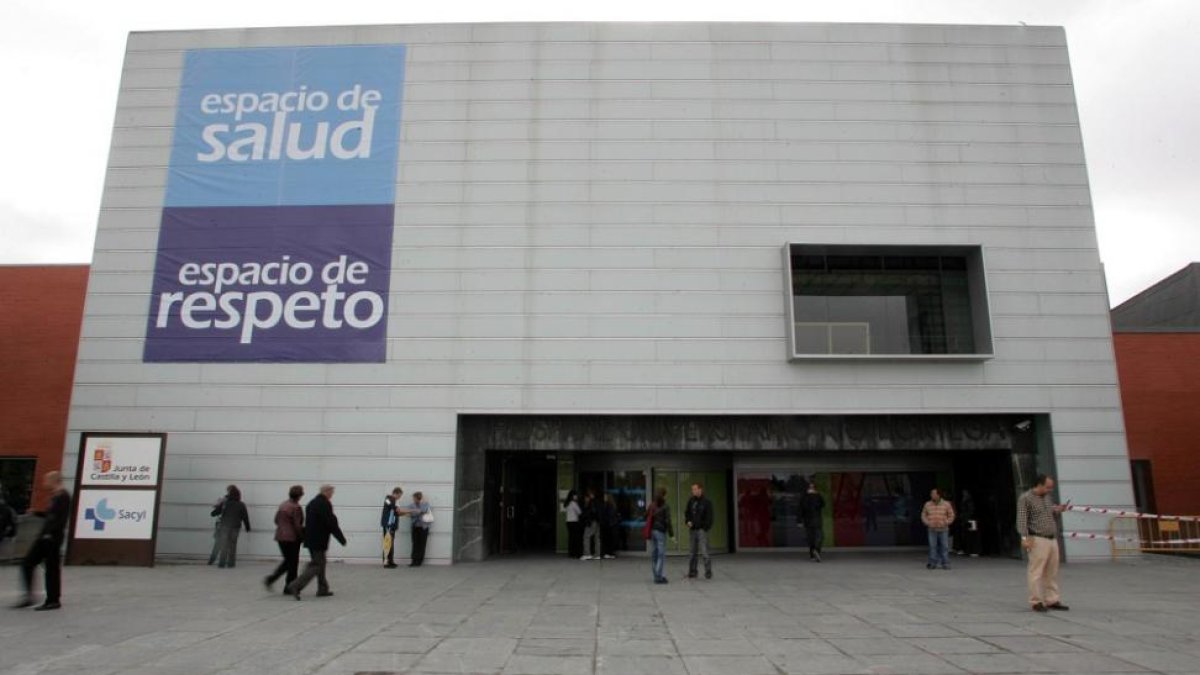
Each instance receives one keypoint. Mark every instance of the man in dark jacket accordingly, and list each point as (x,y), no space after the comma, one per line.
(699,518)
(320,525)
(45,551)
(389,520)
(811,506)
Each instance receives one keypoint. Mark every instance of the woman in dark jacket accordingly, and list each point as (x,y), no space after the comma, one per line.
(233,517)
(660,529)
(289,533)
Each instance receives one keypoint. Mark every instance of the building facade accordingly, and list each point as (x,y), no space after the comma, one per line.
(1157,339)
(495,263)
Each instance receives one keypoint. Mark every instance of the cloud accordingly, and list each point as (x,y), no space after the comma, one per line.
(44,237)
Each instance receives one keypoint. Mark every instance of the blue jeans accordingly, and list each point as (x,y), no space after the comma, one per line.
(939,545)
(658,552)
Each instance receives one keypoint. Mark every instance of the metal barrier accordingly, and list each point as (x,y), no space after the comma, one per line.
(1132,534)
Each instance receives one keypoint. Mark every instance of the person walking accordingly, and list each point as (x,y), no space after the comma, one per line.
(1037,523)
(233,516)
(46,549)
(699,518)
(812,507)
(574,527)
(289,534)
(422,519)
(938,516)
(389,520)
(660,528)
(321,525)
(589,518)
(610,527)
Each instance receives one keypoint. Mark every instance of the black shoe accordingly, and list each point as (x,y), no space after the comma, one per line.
(47,606)
(269,583)
(660,581)
(290,590)
(928,566)
(691,575)
(27,602)
(1039,607)
(221,565)
(390,566)
(945,567)
(1058,607)
(324,594)
(708,574)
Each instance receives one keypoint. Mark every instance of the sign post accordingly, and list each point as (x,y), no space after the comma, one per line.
(118,488)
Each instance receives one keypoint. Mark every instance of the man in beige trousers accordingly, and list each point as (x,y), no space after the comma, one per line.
(1037,523)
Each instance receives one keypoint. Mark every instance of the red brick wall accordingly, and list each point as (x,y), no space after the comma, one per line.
(41,308)
(1160,389)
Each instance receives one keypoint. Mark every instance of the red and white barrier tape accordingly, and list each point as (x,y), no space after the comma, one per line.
(1132,514)
(1109,537)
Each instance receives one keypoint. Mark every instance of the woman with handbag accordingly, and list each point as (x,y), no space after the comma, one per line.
(422,519)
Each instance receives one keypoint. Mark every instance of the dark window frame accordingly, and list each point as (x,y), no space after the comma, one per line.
(892,258)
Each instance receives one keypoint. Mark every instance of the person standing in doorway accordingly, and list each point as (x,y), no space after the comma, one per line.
(389,520)
(233,517)
(1037,523)
(699,518)
(812,507)
(46,549)
(590,519)
(938,516)
(660,528)
(321,525)
(289,534)
(422,519)
(574,528)
(610,527)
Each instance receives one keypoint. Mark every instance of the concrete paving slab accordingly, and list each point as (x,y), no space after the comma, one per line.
(873,614)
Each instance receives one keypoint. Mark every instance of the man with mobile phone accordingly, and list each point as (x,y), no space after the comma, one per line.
(1037,523)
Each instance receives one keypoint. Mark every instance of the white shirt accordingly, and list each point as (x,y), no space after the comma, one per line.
(573,512)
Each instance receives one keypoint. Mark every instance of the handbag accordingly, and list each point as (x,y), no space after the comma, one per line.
(649,526)
(427,517)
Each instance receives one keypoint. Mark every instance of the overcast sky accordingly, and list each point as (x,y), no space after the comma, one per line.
(1135,64)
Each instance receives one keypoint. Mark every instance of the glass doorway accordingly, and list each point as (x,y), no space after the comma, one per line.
(679,491)
(527,504)
(627,489)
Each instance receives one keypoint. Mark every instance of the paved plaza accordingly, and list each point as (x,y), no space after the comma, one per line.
(767,614)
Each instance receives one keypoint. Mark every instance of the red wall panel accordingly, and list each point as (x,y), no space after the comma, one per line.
(1160,390)
(41,308)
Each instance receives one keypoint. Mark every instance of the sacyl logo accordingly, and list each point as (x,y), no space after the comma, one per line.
(99,515)
(102,514)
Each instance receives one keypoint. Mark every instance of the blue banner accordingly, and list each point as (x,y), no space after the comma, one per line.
(276,236)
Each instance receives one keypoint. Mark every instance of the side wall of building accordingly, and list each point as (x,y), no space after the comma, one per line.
(1160,389)
(39,336)
(590,219)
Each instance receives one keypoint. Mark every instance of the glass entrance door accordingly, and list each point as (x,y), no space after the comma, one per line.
(679,491)
(627,490)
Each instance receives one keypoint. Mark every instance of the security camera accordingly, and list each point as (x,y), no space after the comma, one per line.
(1024,425)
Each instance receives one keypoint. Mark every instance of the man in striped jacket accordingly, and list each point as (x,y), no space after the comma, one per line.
(938,516)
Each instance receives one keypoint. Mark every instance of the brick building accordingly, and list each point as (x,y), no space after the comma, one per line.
(1156,335)
(42,307)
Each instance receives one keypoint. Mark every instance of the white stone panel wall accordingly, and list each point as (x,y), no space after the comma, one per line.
(589,219)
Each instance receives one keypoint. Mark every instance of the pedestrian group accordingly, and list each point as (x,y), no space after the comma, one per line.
(594,527)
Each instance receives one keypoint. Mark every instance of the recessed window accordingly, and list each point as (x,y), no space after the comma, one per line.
(887,301)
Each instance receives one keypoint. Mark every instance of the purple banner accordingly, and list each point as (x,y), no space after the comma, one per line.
(271,284)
